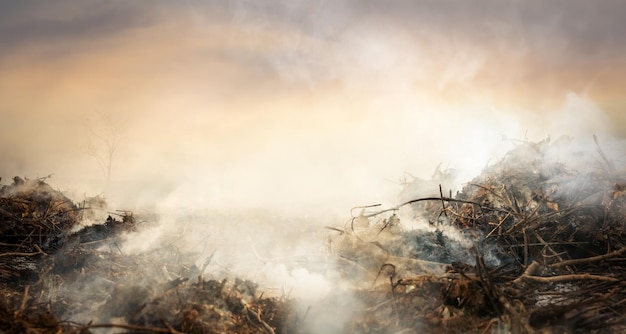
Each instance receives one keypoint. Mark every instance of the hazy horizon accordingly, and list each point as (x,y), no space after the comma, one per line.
(296,103)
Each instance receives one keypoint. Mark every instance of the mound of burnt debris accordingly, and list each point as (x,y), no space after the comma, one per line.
(529,246)
(52,268)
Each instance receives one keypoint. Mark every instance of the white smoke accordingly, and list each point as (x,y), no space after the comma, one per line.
(264,123)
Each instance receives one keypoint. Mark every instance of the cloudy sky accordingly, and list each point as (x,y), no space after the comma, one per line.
(294,102)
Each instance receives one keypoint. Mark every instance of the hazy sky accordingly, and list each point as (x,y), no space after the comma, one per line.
(266,102)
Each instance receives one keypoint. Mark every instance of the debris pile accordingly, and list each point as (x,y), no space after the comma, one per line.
(35,219)
(531,245)
(535,247)
(52,268)
(34,222)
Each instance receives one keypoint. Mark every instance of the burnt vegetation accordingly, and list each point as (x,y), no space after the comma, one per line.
(544,251)
(528,246)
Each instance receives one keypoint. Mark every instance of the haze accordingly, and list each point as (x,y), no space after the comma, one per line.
(316,105)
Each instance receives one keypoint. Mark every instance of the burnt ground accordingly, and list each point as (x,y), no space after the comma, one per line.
(529,246)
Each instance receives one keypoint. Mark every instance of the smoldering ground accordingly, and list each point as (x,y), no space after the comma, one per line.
(249,127)
(289,256)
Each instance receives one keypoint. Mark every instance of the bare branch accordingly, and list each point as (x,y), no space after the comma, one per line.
(590,259)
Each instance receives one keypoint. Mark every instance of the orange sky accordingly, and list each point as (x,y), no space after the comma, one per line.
(310,101)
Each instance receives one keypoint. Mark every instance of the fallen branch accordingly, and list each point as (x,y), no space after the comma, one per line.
(499,224)
(132,328)
(12,245)
(529,272)
(446,199)
(572,277)
(590,259)
(24,299)
(39,252)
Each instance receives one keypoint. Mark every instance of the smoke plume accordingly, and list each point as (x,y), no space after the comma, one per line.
(241,129)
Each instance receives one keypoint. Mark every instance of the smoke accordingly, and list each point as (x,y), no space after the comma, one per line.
(275,234)
(249,127)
